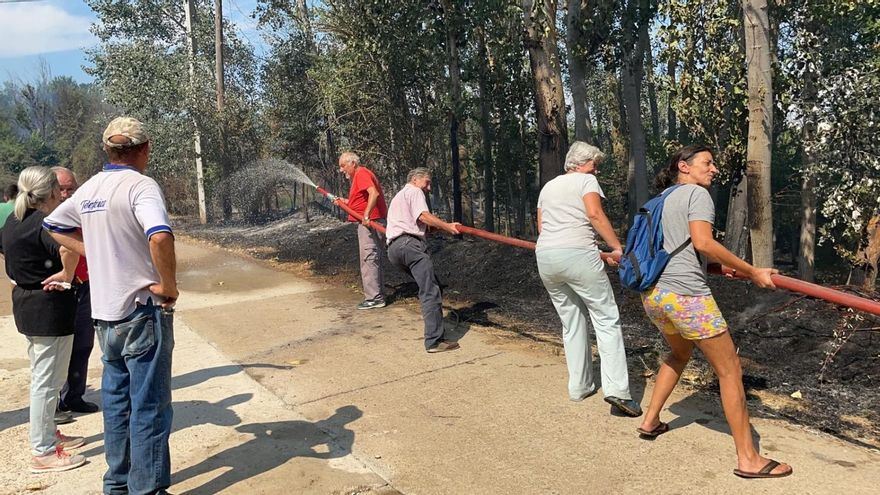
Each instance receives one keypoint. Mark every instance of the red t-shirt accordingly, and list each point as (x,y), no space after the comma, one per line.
(357,195)
(82,269)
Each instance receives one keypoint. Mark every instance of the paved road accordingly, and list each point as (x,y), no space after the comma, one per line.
(281,387)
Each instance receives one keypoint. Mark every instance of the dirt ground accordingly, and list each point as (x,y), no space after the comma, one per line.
(810,362)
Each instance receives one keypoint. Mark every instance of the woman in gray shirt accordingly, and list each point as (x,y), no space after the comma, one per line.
(682,307)
(570,215)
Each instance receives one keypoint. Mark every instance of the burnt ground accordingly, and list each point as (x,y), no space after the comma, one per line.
(804,360)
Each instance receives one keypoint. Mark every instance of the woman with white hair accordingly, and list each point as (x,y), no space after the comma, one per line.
(570,215)
(44,308)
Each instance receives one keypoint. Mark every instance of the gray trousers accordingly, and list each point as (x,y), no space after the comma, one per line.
(49,359)
(579,287)
(371,250)
(83,343)
(410,254)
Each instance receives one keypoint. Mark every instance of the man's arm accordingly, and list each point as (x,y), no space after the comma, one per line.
(70,240)
(430,220)
(372,199)
(165,261)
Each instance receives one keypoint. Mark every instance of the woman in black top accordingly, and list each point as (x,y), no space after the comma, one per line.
(44,308)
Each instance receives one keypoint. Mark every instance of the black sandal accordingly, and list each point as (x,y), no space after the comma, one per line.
(656,432)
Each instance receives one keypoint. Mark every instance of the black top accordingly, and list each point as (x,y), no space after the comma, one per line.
(32,256)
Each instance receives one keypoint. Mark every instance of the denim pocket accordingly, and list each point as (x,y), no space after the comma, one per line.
(129,338)
(139,335)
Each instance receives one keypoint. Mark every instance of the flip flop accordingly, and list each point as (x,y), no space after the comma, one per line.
(765,472)
(656,432)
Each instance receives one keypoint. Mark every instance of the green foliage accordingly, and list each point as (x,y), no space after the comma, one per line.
(704,40)
(837,96)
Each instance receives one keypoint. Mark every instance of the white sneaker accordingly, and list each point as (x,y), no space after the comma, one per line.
(56,461)
(68,443)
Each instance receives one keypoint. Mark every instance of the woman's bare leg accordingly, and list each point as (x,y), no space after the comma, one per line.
(721,354)
(667,378)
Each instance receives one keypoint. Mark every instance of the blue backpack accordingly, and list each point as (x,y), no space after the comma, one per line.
(644,259)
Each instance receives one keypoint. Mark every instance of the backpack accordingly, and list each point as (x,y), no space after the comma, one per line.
(644,259)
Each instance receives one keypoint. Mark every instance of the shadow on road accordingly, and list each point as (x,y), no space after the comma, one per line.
(274,444)
(693,409)
(10,419)
(198,376)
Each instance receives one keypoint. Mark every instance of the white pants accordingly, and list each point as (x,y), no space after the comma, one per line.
(50,357)
(579,286)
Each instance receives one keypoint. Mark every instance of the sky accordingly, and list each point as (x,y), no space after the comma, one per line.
(57,31)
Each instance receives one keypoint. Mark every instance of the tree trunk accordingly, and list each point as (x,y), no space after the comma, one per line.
(450,17)
(540,41)
(758,152)
(197,137)
(736,232)
(631,74)
(488,136)
(864,271)
(649,75)
(671,120)
(807,242)
(578,70)
(617,119)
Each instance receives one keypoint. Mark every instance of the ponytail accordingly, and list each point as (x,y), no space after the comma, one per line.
(35,185)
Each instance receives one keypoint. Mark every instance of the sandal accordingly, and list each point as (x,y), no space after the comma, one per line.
(765,472)
(628,407)
(656,432)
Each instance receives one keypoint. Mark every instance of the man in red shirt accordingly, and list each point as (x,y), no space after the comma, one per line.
(366,198)
(84,333)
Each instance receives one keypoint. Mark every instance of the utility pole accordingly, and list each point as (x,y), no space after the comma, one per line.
(197,138)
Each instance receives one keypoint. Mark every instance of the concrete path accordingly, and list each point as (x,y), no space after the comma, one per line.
(282,387)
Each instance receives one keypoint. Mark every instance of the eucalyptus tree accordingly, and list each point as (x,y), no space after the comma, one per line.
(756,21)
(633,43)
(550,112)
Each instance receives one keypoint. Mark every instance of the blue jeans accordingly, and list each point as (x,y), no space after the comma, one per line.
(136,394)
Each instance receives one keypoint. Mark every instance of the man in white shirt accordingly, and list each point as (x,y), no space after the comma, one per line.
(408,221)
(128,240)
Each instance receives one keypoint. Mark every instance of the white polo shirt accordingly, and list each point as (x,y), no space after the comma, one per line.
(118,209)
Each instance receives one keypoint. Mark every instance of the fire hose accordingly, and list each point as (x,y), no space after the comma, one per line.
(781,281)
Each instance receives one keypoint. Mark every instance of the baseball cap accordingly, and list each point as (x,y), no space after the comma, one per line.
(129,127)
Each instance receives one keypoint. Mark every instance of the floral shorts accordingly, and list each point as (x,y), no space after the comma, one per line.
(692,317)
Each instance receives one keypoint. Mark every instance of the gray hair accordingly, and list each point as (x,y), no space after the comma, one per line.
(35,186)
(350,157)
(418,172)
(579,153)
(59,168)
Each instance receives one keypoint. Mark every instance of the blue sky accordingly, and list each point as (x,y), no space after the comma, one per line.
(57,31)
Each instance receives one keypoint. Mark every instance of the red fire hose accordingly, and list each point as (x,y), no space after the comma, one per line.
(814,290)
(781,281)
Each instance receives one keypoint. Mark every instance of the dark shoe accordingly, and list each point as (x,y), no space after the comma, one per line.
(63,417)
(80,407)
(656,432)
(628,407)
(371,304)
(444,346)
(765,472)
